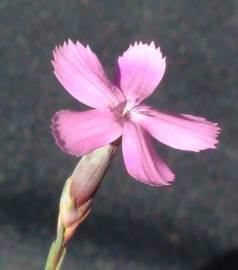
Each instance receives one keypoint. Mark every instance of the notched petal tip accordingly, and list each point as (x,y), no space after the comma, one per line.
(166,183)
(55,129)
(70,41)
(79,133)
(80,72)
(152,44)
(180,131)
(141,160)
(141,68)
(215,134)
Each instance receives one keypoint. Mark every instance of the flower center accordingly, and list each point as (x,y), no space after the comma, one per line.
(122,111)
(125,115)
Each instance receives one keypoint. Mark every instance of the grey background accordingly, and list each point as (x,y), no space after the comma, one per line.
(133,226)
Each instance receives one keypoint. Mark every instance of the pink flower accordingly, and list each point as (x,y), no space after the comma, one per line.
(119,111)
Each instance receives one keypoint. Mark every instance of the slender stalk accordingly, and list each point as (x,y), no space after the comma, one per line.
(57,251)
(65,227)
(76,198)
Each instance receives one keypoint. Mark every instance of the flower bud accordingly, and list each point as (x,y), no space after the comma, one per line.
(80,188)
(89,173)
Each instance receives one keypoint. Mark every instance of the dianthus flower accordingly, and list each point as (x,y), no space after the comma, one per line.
(119,111)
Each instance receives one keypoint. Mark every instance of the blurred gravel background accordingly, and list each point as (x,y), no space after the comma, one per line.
(133,226)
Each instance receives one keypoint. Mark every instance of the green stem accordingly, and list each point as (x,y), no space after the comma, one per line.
(76,198)
(57,251)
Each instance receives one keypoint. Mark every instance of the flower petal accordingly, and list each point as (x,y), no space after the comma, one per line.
(180,131)
(140,69)
(79,133)
(80,72)
(141,161)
